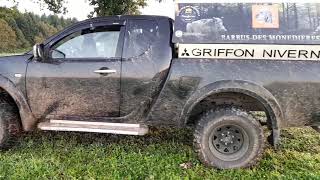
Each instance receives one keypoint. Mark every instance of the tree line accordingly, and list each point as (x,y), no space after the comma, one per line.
(22,30)
(101,7)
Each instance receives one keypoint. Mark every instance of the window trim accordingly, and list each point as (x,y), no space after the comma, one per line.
(126,40)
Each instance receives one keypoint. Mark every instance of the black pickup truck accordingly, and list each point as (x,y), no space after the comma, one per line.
(123,74)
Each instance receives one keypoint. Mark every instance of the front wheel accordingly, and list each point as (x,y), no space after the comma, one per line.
(9,124)
(229,138)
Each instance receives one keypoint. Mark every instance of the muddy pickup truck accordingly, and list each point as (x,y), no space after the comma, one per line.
(124,74)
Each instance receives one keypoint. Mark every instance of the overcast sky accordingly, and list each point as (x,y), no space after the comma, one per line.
(80,8)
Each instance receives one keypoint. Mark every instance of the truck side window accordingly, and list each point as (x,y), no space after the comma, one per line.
(140,36)
(101,42)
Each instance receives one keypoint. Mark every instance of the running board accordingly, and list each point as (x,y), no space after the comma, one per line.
(97,127)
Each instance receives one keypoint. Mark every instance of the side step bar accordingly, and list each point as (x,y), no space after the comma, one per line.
(97,127)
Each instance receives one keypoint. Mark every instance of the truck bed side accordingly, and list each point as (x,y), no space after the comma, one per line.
(294,84)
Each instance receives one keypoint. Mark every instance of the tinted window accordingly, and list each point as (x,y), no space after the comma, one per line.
(140,36)
(101,42)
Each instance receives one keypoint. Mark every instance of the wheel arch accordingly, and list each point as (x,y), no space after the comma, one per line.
(27,119)
(253,90)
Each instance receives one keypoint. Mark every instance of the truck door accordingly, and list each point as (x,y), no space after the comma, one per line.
(80,76)
(145,64)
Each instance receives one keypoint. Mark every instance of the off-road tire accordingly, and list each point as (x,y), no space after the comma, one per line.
(248,150)
(10,126)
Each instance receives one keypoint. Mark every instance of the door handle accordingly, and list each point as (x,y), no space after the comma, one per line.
(105,71)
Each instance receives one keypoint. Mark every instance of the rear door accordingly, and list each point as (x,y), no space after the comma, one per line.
(81,75)
(145,65)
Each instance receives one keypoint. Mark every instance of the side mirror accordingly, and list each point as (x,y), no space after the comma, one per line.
(38,51)
(56,54)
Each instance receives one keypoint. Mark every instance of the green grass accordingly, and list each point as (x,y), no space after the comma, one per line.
(155,156)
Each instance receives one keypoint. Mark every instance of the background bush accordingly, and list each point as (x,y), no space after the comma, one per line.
(22,30)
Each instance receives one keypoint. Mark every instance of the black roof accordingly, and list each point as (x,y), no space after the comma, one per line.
(125,17)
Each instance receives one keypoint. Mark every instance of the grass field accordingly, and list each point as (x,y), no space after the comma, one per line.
(155,156)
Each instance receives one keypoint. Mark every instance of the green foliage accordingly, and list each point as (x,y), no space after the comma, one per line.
(55,6)
(101,7)
(46,30)
(7,36)
(21,40)
(26,24)
(159,155)
(29,28)
(116,7)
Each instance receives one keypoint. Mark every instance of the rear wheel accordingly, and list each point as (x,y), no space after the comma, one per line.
(229,138)
(9,124)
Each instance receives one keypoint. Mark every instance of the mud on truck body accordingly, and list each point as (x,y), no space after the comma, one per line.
(212,71)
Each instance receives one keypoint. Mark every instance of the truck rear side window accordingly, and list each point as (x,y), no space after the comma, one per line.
(102,42)
(140,36)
